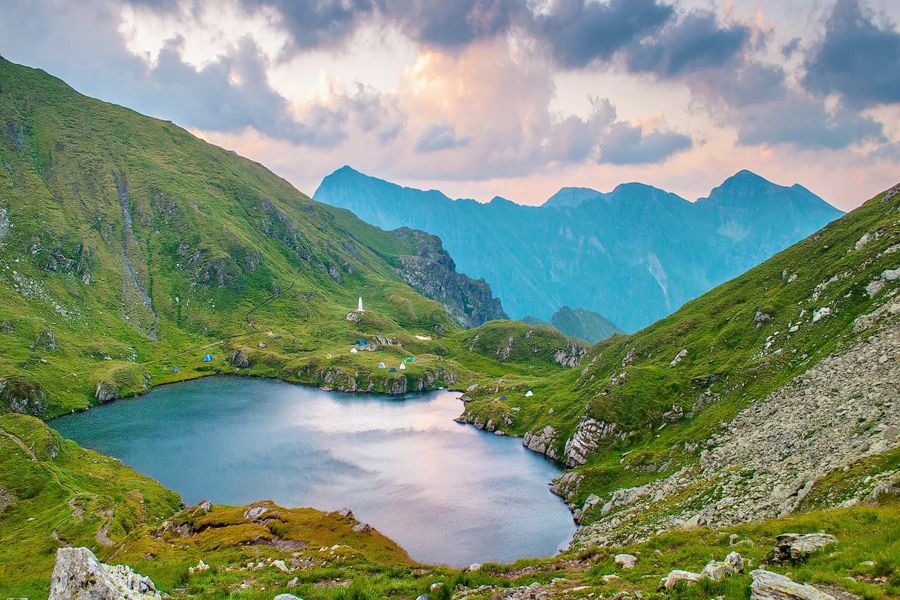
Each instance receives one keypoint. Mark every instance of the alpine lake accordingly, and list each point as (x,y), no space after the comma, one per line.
(447,492)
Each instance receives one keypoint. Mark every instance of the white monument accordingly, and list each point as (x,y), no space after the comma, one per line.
(360,308)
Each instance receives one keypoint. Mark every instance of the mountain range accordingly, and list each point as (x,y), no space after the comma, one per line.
(130,251)
(634,255)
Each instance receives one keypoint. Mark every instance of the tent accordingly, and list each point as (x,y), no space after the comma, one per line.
(353,351)
(380,365)
(529,394)
(363,342)
(409,359)
(402,366)
(176,370)
(356,342)
(207,357)
(393,370)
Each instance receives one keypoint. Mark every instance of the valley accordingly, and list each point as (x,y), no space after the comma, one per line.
(133,254)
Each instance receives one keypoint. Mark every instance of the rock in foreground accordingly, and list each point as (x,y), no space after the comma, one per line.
(772,586)
(78,575)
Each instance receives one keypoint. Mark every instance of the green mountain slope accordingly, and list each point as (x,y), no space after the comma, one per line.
(633,255)
(765,396)
(129,247)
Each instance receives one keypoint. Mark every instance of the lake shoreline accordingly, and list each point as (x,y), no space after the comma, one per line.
(217,414)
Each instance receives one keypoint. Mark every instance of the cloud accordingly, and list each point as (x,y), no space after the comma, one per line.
(788,50)
(742,84)
(695,42)
(582,31)
(452,25)
(624,144)
(440,136)
(805,123)
(856,58)
(621,143)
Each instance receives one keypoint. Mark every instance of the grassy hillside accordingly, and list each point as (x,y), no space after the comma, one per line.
(129,247)
(656,399)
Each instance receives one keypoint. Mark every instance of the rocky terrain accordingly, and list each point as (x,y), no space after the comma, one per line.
(431,271)
(772,456)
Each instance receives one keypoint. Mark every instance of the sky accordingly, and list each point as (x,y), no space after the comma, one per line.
(511,98)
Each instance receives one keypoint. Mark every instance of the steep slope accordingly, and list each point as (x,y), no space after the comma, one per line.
(634,255)
(768,395)
(129,247)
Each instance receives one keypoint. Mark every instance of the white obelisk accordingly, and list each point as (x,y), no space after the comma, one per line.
(360,308)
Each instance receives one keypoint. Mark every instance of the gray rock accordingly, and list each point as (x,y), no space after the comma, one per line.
(362,528)
(626,561)
(732,565)
(286,596)
(78,575)
(772,586)
(669,582)
(794,546)
(714,570)
(678,358)
(541,442)
(239,359)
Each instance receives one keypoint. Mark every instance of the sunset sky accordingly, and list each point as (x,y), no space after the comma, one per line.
(516,98)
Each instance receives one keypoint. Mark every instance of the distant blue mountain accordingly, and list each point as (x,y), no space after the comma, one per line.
(633,255)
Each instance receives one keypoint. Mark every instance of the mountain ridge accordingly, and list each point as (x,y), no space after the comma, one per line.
(634,257)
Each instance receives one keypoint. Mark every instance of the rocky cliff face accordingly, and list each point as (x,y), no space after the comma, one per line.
(433,273)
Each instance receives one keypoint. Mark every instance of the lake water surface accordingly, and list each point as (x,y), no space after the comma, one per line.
(448,493)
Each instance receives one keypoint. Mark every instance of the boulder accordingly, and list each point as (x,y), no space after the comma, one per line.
(286,597)
(626,561)
(715,570)
(362,528)
(78,575)
(669,582)
(772,586)
(678,358)
(795,547)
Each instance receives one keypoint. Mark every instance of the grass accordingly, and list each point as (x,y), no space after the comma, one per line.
(105,206)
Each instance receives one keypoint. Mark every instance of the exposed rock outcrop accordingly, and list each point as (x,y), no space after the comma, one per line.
(433,273)
(571,355)
(239,359)
(542,441)
(78,575)
(772,586)
(766,462)
(23,397)
(793,547)
(586,439)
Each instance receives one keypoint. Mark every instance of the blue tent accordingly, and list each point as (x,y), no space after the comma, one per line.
(356,342)
(393,370)
(207,357)
(176,370)
(362,342)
